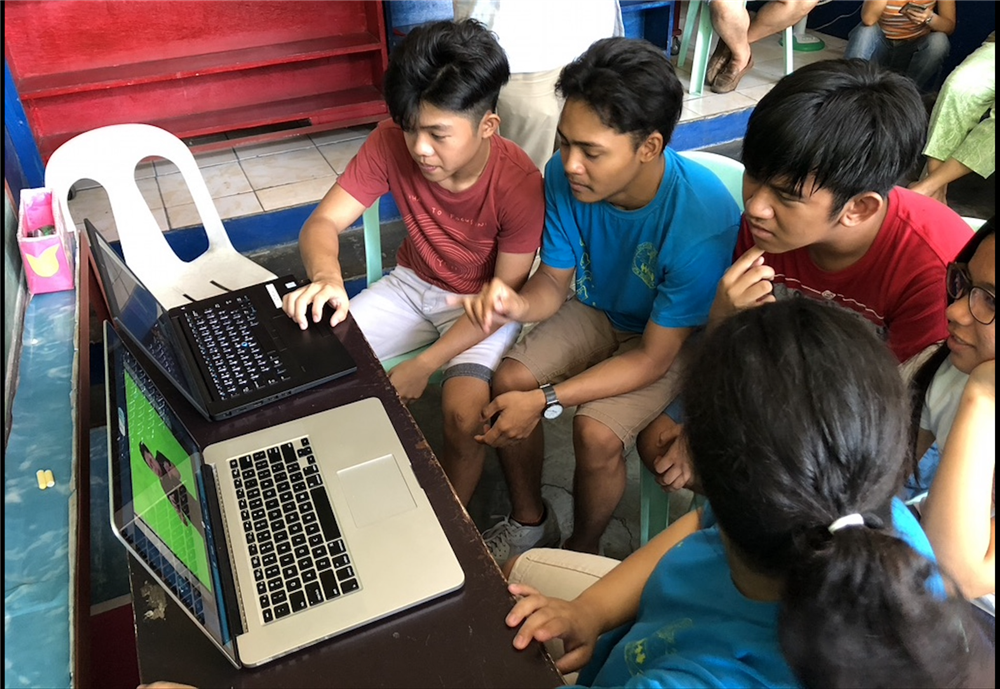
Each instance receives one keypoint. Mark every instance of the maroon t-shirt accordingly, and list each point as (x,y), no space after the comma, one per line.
(452,238)
(898,285)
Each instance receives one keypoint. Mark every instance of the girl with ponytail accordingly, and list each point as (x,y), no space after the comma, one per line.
(803,569)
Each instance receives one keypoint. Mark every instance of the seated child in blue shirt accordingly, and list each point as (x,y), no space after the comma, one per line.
(814,574)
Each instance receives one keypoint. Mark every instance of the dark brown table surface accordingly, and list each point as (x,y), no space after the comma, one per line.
(459,640)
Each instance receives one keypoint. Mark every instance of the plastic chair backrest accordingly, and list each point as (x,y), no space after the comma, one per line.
(373,272)
(109,156)
(654,503)
(728,170)
(699,23)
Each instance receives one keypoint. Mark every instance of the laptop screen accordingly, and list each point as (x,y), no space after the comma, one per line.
(137,310)
(158,503)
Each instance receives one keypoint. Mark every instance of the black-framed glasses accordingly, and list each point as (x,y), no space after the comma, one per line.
(982,302)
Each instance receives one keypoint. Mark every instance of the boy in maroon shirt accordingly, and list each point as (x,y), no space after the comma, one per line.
(473,207)
(824,220)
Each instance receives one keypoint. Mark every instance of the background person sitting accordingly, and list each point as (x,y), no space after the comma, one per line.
(908,36)
(738,32)
(959,139)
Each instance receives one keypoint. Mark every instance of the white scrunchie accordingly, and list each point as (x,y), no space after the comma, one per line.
(846,521)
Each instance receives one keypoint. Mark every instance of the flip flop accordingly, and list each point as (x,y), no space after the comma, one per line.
(729,78)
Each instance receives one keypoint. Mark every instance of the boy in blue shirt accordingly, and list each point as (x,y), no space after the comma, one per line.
(646,233)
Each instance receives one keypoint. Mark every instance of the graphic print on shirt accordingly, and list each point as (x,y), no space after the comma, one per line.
(639,653)
(470,263)
(785,287)
(584,278)
(644,264)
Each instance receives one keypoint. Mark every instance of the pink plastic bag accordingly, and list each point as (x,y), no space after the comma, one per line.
(45,243)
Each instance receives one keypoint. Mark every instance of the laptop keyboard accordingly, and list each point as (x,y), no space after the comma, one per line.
(297,553)
(238,360)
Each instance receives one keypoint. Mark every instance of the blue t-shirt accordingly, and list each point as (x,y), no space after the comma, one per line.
(695,629)
(661,262)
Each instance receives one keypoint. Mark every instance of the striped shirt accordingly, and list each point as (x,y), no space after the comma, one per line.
(899,27)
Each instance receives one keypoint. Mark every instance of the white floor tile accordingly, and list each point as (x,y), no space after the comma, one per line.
(186,215)
(340,154)
(295,194)
(285,168)
(222,180)
(718,103)
(203,160)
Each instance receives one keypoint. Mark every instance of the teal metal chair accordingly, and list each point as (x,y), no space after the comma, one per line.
(654,503)
(699,23)
(374,272)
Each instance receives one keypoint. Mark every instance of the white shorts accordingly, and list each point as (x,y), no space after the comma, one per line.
(402,312)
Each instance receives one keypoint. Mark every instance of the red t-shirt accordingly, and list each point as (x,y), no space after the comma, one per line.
(898,286)
(452,238)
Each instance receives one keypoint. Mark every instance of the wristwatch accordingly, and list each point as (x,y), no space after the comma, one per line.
(552,407)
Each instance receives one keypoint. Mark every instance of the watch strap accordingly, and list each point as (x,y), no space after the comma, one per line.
(550,394)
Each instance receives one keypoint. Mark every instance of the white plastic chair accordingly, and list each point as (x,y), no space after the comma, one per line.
(654,503)
(109,156)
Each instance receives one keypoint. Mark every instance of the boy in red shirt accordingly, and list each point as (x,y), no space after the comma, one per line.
(473,207)
(824,220)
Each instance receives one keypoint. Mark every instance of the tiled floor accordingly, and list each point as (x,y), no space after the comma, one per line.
(298,171)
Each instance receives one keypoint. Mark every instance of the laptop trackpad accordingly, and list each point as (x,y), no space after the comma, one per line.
(375,491)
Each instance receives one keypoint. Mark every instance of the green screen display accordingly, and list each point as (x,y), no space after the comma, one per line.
(165,492)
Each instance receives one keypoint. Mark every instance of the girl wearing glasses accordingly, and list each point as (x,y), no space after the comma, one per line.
(957,408)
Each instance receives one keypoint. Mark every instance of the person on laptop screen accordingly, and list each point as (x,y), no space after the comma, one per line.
(473,207)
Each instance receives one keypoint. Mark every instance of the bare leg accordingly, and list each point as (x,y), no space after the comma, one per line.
(732,21)
(776,16)
(522,462)
(598,482)
(939,175)
(462,398)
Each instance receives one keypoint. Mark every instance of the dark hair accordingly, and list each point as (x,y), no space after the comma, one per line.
(924,376)
(454,66)
(796,416)
(631,85)
(854,126)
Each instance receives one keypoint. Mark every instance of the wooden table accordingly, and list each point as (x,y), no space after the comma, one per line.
(459,640)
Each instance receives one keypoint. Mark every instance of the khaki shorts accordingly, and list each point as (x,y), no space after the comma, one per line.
(578,337)
(559,574)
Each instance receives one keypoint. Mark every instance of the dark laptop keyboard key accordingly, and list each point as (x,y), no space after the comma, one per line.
(293,532)
(298,601)
(238,351)
(314,593)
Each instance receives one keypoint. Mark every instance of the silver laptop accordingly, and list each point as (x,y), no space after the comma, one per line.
(277,539)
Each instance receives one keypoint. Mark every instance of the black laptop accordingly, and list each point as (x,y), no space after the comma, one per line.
(226,354)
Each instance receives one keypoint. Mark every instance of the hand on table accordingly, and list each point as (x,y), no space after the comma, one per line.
(517,413)
(309,301)
(746,283)
(542,619)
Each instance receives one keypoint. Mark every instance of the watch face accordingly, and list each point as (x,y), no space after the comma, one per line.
(553,411)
